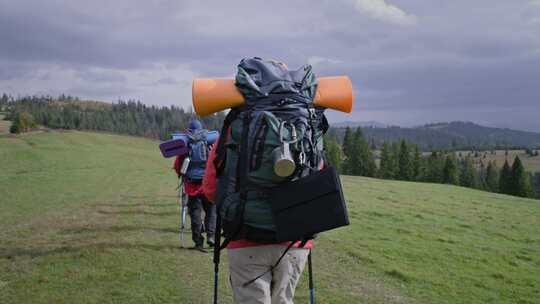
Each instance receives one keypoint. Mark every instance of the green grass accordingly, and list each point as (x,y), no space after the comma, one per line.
(93,218)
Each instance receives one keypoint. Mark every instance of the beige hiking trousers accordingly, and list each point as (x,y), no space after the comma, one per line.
(276,287)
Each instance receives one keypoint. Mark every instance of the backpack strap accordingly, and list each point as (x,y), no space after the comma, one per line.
(271,267)
(219,164)
(241,167)
(302,244)
(221,150)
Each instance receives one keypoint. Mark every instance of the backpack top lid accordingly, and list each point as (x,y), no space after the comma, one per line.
(196,136)
(195,132)
(258,78)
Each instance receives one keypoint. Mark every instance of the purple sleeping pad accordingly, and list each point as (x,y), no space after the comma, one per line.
(173,147)
(179,144)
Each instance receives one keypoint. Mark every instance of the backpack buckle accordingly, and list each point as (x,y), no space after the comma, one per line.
(302,158)
(312,113)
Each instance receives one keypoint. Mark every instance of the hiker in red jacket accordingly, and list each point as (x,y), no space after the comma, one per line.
(248,259)
(197,202)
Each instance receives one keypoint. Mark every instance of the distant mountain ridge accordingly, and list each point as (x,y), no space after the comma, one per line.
(451,135)
(363,124)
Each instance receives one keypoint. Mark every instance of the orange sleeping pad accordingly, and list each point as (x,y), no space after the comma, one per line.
(214,95)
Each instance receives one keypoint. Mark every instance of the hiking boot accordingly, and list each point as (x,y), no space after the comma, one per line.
(199,248)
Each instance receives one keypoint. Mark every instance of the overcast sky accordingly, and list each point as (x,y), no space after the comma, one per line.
(411,61)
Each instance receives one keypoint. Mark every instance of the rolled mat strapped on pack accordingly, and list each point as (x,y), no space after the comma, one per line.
(173,147)
(179,144)
(214,95)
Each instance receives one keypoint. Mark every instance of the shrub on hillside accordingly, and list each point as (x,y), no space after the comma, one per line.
(14,129)
(22,122)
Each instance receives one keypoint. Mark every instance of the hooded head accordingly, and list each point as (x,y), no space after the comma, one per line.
(194,125)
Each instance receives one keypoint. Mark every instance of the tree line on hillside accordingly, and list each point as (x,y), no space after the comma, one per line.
(404,161)
(123,117)
(450,136)
(352,154)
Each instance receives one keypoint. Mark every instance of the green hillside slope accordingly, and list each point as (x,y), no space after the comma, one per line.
(93,218)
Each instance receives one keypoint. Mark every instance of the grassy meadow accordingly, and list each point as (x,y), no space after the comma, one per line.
(531,163)
(93,218)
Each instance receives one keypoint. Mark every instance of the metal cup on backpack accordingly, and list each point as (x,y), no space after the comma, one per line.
(185,165)
(284,164)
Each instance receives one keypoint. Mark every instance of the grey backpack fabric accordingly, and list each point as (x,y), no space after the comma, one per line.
(199,150)
(279,107)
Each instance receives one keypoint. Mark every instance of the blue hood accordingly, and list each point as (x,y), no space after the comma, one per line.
(194,125)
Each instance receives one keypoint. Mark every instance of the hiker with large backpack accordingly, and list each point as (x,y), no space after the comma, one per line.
(192,168)
(268,178)
(248,259)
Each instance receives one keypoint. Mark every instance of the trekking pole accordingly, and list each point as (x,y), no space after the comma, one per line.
(182,199)
(311,288)
(217,243)
(184,207)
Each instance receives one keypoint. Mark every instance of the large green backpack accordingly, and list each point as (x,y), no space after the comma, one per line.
(278,110)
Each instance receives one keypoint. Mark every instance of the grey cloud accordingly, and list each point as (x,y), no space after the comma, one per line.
(10,70)
(101,76)
(101,91)
(442,87)
(471,55)
(166,81)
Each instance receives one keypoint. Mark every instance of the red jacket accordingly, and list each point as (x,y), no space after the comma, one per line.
(192,189)
(209,179)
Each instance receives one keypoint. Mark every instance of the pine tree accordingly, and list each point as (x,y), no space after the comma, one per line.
(361,161)
(434,168)
(467,176)
(358,165)
(333,153)
(404,162)
(492,177)
(394,156)
(520,181)
(348,143)
(416,163)
(371,168)
(353,165)
(424,169)
(386,169)
(450,171)
(505,179)
(481,175)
